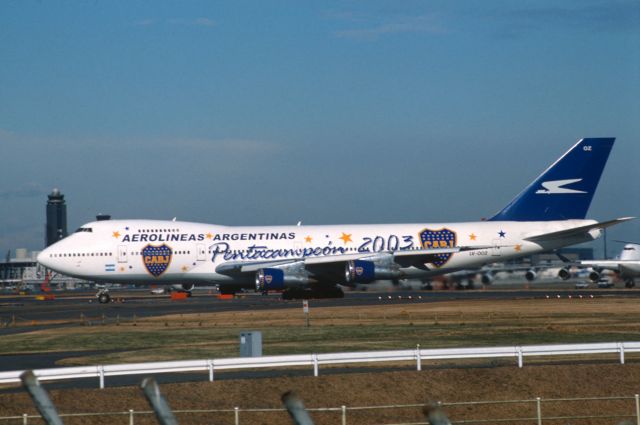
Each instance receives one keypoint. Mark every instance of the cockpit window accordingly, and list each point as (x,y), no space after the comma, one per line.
(84,229)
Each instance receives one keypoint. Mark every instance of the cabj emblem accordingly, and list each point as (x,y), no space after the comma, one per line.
(442,238)
(156,258)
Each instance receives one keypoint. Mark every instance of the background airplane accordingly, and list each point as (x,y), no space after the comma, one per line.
(312,261)
(627,266)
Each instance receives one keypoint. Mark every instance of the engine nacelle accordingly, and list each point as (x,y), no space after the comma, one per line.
(373,268)
(594,276)
(486,279)
(564,273)
(183,287)
(289,276)
(530,275)
(267,279)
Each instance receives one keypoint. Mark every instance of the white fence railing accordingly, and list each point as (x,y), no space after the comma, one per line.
(416,356)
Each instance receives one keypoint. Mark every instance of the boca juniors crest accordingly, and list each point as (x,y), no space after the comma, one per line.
(442,238)
(156,258)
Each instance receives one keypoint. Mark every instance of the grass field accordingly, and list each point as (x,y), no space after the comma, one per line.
(432,325)
(457,323)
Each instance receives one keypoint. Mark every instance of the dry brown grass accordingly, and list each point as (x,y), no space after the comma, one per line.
(367,389)
(455,323)
(387,326)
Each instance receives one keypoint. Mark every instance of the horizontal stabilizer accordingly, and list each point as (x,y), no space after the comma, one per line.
(576,231)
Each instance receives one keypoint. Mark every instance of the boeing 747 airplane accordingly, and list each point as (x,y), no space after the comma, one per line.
(627,266)
(313,261)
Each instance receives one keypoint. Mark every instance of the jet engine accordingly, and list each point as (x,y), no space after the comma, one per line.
(564,273)
(486,279)
(183,287)
(380,267)
(594,276)
(278,278)
(530,275)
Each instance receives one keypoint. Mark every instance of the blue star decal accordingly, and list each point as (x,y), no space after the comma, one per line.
(502,233)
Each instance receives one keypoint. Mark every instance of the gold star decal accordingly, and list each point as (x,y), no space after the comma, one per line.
(209,236)
(472,237)
(116,234)
(121,269)
(308,239)
(346,237)
(518,248)
(185,268)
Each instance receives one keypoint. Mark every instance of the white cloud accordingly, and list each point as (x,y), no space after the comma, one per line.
(145,22)
(7,136)
(236,146)
(199,22)
(26,190)
(417,24)
(204,22)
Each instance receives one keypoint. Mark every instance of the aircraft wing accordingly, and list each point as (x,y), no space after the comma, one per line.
(425,256)
(600,263)
(576,231)
(615,265)
(330,263)
(231,267)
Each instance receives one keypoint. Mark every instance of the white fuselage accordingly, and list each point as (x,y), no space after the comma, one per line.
(150,251)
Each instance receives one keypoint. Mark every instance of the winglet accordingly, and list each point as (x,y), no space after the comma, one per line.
(564,190)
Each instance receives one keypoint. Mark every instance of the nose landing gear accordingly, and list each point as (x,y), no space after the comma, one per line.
(103,296)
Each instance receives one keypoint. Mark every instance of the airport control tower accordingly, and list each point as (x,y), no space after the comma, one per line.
(56,217)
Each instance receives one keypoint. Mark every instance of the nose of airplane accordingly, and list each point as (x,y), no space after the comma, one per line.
(44,258)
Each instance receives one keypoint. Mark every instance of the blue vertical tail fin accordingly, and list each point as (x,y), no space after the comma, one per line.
(564,190)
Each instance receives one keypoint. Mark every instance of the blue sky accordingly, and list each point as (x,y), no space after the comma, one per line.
(325,112)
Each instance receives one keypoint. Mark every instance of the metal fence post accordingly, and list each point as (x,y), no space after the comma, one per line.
(295,408)
(344,415)
(418,359)
(519,356)
(236,412)
(101,372)
(25,419)
(539,410)
(131,417)
(314,356)
(210,370)
(158,403)
(40,398)
(621,348)
(637,409)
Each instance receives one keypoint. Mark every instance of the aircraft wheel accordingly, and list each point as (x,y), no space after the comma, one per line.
(104,298)
(629,283)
